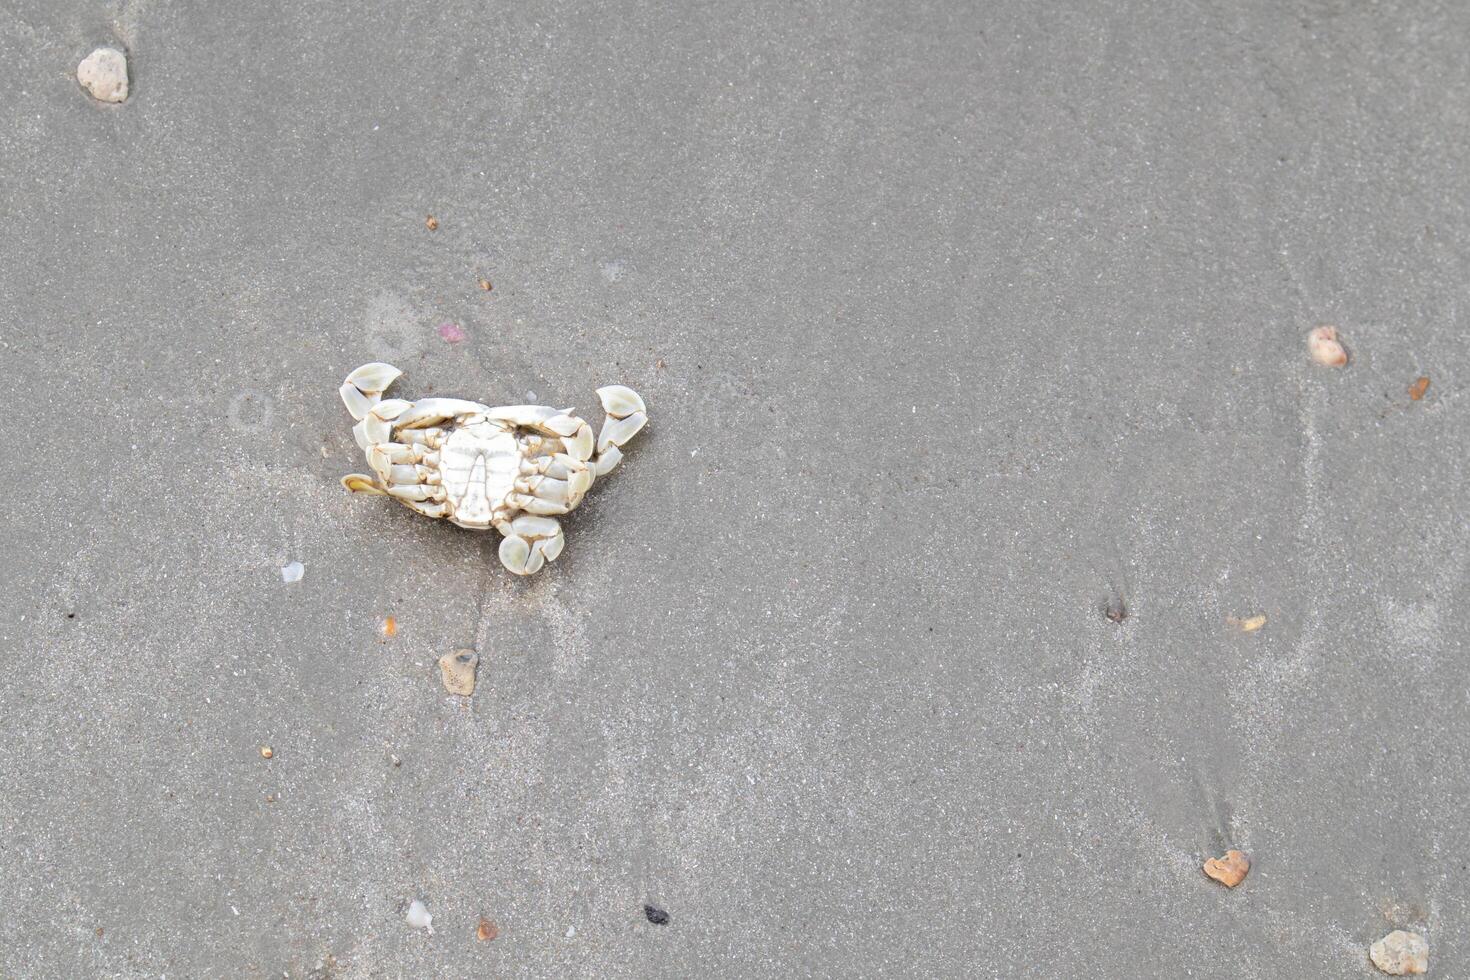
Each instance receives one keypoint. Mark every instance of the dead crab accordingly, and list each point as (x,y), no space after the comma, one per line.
(513,468)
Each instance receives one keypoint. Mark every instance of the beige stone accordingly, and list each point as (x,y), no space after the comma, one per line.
(1401,954)
(457,670)
(104,74)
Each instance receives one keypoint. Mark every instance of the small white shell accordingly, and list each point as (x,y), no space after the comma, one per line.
(1325,348)
(619,400)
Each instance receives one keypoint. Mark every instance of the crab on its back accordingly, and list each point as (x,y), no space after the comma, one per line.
(478,467)
(514,468)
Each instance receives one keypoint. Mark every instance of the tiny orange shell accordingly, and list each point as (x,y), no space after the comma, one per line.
(390,627)
(1418,388)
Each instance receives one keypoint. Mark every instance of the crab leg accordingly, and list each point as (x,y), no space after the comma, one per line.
(530,541)
(626,415)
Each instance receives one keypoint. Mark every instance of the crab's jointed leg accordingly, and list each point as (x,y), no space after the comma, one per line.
(626,415)
(530,541)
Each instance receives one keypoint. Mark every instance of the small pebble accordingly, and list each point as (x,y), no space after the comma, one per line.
(1250,624)
(389,627)
(1401,954)
(656,915)
(485,284)
(1326,348)
(571,931)
(104,74)
(486,931)
(292,572)
(1229,870)
(266,752)
(451,332)
(1418,388)
(431,223)
(457,670)
(418,916)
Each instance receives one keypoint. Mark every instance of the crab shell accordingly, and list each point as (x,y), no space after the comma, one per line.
(514,468)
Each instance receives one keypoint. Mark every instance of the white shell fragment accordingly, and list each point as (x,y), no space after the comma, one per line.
(1401,954)
(104,74)
(1325,348)
(418,916)
(292,572)
(516,468)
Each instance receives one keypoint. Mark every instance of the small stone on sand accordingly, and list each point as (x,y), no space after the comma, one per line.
(1326,348)
(1418,388)
(1229,870)
(1401,954)
(267,752)
(292,572)
(486,931)
(418,916)
(104,74)
(457,670)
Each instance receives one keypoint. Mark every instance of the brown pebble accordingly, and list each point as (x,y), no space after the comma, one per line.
(431,223)
(1418,388)
(99,932)
(486,931)
(1325,348)
(485,284)
(1229,870)
(266,752)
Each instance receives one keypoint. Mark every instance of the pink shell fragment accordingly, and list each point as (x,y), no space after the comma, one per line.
(451,332)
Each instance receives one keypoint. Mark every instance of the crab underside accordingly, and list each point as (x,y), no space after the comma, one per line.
(515,468)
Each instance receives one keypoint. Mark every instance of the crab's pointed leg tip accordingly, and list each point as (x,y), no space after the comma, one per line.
(357,483)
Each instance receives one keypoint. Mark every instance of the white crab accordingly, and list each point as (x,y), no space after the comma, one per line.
(512,468)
